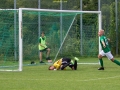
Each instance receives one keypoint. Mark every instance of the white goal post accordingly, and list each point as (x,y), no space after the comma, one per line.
(48,10)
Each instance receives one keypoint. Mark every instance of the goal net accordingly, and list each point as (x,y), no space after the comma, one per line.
(69,33)
(9,42)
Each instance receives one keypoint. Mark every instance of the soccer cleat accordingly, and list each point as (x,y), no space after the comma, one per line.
(48,58)
(75,65)
(76,58)
(42,62)
(101,68)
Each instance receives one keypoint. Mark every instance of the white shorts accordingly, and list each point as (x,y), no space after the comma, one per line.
(108,54)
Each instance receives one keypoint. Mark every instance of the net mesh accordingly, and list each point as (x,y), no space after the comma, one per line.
(8,40)
(50,23)
(64,35)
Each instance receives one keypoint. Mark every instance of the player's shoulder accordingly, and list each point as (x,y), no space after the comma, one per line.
(40,37)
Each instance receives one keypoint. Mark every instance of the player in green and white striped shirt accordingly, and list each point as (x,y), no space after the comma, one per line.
(105,50)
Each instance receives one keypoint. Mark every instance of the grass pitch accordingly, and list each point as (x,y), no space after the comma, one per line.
(87,77)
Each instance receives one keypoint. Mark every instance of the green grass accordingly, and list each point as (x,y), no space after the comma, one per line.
(87,77)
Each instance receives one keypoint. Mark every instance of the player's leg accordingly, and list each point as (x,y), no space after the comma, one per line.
(75,65)
(41,57)
(100,60)
(75,58)
(116,62)
(71,65)
(110,57)
(48,56)
(48,53)
(63,66)
(65,63)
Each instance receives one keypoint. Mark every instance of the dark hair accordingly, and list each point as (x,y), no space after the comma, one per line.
(42,32)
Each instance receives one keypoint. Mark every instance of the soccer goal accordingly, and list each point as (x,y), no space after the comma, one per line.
(69,33)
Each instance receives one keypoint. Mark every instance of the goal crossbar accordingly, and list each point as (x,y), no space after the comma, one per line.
(53,10)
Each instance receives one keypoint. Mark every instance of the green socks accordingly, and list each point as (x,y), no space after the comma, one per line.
(76,58)
(117,62)
(101,62)
(72,61)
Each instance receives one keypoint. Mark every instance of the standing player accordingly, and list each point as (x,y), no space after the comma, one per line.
(43,47)
(62,63)
(105,50)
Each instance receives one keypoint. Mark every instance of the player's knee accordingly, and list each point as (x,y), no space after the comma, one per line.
(48,49)
(112,59)
(99,56)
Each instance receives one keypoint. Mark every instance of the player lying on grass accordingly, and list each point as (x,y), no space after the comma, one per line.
(62,63)
(105,50)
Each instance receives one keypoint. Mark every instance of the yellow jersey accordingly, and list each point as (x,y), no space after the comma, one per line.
(57,64)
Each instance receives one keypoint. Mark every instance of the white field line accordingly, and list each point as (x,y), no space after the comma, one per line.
(60,79)
(88,63)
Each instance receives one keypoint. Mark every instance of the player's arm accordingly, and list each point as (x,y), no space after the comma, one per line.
(103,43)
(42,45)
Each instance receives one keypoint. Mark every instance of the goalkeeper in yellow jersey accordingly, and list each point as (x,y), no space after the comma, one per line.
(62,63)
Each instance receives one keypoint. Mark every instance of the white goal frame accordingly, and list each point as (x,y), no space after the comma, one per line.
(48,10)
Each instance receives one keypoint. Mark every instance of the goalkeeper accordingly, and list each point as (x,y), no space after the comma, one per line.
(62,63)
